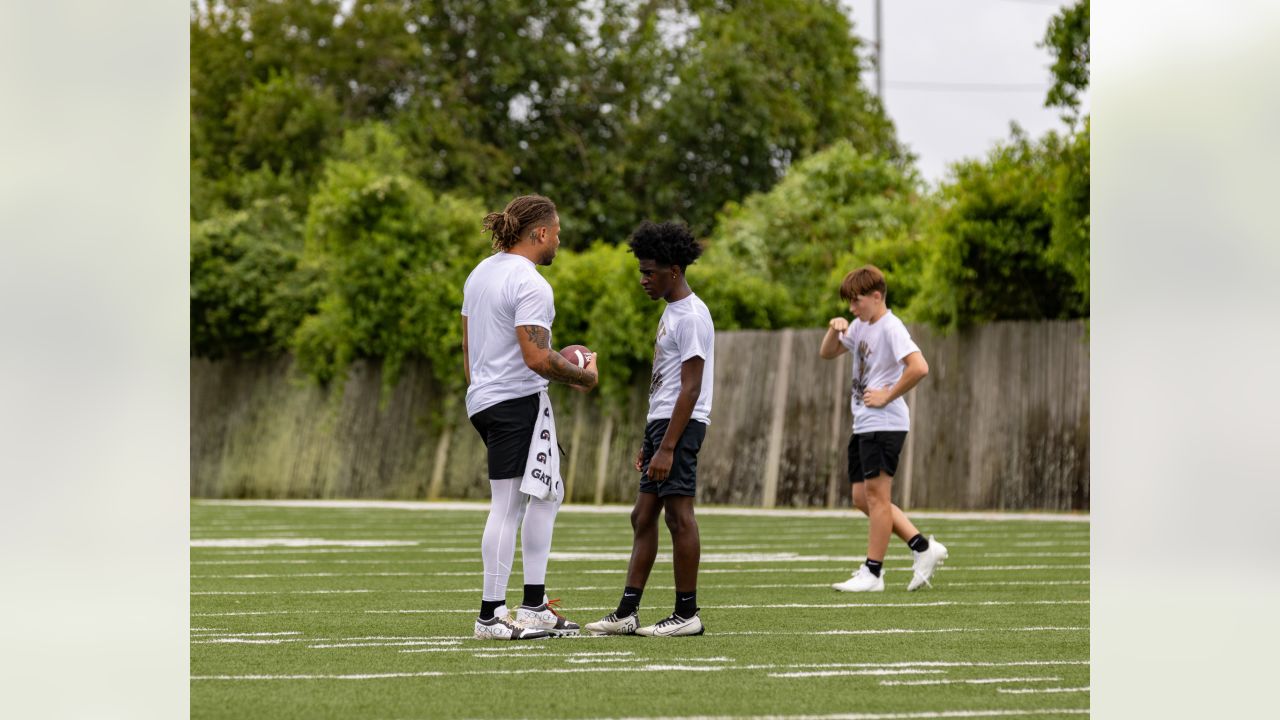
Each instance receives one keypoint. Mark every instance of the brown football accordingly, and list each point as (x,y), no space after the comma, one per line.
(577,354)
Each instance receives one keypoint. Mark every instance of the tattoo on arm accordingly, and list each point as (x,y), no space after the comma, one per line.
(538,336)
(562,370)
(553,366)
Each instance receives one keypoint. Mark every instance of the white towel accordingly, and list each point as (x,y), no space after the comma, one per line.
(542,467)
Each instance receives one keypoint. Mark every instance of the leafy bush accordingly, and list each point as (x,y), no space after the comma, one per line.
(989,259)
(394,257)
(828,212)
(249,289)
(1069,207)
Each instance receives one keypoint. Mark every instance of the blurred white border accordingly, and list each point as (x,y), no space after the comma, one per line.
(1186,255)
(93,371)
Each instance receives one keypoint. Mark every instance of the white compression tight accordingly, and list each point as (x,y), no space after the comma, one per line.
(509,507)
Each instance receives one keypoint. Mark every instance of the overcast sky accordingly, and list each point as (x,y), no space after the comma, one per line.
(930,46)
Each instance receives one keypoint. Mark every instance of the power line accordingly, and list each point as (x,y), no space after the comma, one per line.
(966,87)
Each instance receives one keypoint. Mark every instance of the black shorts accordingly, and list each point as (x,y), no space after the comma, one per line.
(507,429)
(874,452)
(682,480)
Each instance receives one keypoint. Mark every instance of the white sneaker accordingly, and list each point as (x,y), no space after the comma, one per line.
(501,627)
(611,624)
(674,626)
(545,617)
(925,563)
(862,581)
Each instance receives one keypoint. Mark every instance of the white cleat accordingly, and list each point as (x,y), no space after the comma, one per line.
(862,581)
(611,624)
(925,563)
(501,627)
(544,617)
(674,626)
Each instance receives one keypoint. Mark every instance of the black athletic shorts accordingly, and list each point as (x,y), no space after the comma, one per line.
(682,480)
(507,429)
(874,452)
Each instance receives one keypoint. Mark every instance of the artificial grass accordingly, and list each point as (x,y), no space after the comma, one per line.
(294,632)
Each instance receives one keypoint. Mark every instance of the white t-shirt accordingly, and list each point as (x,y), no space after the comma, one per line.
(504,292)
(878,350)
(685,331)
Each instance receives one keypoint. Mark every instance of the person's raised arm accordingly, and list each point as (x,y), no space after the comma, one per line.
(831,345)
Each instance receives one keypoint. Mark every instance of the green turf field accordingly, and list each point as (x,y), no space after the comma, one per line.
(381,627)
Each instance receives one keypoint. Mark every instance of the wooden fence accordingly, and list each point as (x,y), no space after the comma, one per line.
(1002,422)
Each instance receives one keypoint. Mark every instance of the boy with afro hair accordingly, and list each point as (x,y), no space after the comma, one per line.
(679,412)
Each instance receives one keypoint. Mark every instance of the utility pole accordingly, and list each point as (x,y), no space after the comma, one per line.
(879,52)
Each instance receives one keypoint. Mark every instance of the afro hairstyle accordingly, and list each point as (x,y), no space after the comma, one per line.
(667,244)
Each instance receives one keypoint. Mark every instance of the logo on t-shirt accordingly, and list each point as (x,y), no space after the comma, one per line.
(656,381)
(860,382)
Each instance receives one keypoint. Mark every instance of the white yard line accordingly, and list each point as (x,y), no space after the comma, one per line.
(1018,582)
(1035,554)
(219,633)
(204,640)
(844,562)
(1039,691)
(392,591)
(297,543)
(947,568)
(918,715)
(591,588)
(837,673)
(833,606)
(246,613)
(517,672)
(257,576)
(626,509)
(399,643)
(619,656)
(904,631)
(289,592)
(970,681)
(941,664)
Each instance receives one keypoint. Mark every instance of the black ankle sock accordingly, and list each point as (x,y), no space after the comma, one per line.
(488,606)
(918,543)
(686,603)
(533,595)
(630,602)
(875,566)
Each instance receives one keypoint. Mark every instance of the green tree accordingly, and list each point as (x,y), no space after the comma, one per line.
(989,259)
(394,257)
(1067,39)
(837,207)
(1069,209)
(283,123)
(763,83)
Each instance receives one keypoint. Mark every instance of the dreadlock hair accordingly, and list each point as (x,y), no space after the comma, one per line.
(522,213)
(667,243)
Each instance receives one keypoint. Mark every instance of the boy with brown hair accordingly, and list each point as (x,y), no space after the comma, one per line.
(886,364)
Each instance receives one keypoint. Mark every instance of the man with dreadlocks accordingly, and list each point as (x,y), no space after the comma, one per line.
(679,411)
(507,311)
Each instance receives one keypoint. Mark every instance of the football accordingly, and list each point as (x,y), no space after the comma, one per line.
(577,354)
